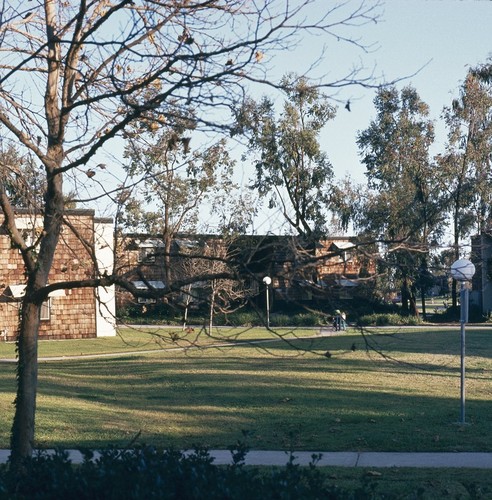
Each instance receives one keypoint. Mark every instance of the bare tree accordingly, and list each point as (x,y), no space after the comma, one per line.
(75,74)
(224,294)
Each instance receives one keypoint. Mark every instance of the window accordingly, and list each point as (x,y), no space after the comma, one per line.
(146,256)
(347,256)
(45,313)
(144,300)
(344,249)
(31,237)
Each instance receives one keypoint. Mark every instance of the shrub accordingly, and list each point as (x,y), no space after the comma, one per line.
(240,318)
(308,319)
(152,474)
(382,319)
(281,320)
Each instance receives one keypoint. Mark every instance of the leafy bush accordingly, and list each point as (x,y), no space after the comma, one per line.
(281,320)
(308,319)
(240,318)
(151,474)
(246,317)
(382,319)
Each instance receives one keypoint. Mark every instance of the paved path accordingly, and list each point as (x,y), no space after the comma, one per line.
(344,459)
(364,459)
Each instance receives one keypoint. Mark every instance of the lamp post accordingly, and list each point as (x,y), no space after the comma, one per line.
(267,280)
(463,270)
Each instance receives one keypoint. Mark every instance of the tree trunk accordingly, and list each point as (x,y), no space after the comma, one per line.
(185,316)
(413,302)
(167,258)
(422,301)
(454,285)
(413,306)
(22,438)
(405,296)
(211,309)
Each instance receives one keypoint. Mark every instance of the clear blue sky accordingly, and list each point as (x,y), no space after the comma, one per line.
(441,38)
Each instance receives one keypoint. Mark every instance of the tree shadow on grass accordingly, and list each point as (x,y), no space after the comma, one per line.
(331,403)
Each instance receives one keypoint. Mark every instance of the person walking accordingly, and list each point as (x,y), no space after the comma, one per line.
(337,322)
(343,320)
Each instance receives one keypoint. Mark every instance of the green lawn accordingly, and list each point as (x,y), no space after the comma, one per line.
(283,394)
(143,339)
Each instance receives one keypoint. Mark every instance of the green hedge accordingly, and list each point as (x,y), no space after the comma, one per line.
(300,319)
(146,473)
(239,318)
(382,319)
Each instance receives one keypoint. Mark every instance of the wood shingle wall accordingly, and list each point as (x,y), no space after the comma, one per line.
(299,271)
(68,313)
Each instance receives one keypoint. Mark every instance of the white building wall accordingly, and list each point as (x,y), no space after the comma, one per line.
(105,296)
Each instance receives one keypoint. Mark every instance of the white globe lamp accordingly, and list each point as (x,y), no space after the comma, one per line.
(462,270)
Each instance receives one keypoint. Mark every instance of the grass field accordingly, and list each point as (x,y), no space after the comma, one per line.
(402,394)
(282,395)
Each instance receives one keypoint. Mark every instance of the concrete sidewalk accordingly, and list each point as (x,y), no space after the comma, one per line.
(475,460)
(364,459)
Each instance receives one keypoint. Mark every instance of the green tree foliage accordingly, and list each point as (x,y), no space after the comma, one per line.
(175,183)
(291,169)
(467,161)
(403,206)
(484,71)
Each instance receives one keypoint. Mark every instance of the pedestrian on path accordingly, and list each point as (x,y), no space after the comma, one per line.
(337,321)
(343,320)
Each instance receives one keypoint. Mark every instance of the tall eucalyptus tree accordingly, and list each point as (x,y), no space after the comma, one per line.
(403,207)
(467,161)
(291,169)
